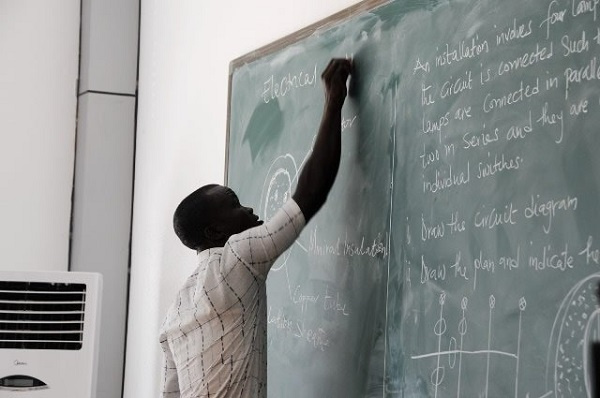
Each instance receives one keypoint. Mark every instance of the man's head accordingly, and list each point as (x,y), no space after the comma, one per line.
(209,216)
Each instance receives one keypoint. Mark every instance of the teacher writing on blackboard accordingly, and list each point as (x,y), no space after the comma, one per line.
(214,334)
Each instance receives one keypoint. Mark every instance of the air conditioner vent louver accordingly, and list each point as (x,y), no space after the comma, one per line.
(41,315)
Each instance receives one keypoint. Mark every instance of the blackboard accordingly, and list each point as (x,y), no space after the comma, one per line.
(459,251)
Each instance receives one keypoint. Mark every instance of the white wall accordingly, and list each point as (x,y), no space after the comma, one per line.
(186,47)
(102,198)
(39,48)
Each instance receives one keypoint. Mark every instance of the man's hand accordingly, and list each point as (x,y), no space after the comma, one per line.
(335,77)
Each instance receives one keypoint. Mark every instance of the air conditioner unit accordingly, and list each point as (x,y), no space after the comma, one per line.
(49,326)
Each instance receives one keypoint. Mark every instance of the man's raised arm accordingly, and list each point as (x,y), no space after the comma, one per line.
(319,171)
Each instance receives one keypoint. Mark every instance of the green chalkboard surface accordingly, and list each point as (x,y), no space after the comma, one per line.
(459,251)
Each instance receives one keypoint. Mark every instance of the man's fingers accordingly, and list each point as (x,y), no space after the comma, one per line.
(335,79)
(346,69)
(329,69)
(337,65)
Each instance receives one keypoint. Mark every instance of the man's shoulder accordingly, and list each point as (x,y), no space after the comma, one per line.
(288,215)
(207,256)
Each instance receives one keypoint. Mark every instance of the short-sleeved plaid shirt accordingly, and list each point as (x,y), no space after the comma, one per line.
(214,334)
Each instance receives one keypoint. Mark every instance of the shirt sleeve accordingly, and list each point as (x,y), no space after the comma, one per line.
(258,248)
(170,383)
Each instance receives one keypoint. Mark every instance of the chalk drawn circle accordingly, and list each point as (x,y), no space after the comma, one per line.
(278,192)
(452,353)
(574,326)
(442,298)
(277,185)
(462,326)
(463,303)
(437,376)
(492,301)
(522,303)
(277,189)
(440,327)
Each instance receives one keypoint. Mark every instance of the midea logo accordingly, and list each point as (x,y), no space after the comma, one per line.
(19,363)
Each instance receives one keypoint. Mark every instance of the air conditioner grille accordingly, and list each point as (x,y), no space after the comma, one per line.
(42,315)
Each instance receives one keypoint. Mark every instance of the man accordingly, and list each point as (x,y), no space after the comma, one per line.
(214,335)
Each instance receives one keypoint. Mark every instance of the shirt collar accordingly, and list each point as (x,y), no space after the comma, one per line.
(205,254)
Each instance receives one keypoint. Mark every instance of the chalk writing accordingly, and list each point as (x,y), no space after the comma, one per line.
(332,302)
(447,177)
(476,140)
(490,263)
(457,85)
(530,58)
(317,337)
(514,32)
(377,247)
(436,125)
(460,271)
(320,248)
(580,7)
(498,163)
(462,113)
(525,91)
(369,247)
(490,219)
(579,108)
(429,157)
(348,123)
(547,209)
(303,299)
(548,118)
(520,131)
(552,258)
(591,254)
(465,49)
(576,46)
(432,273)
(423,67)
(279,320)
(427,93)
(554,15)
(273,89)
(587,73)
